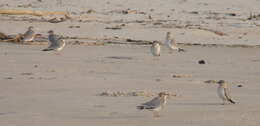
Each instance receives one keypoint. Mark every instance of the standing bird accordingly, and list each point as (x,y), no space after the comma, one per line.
(156,104)
(171,44)
(29,35)
(223,92)
(156,49)
(56,43)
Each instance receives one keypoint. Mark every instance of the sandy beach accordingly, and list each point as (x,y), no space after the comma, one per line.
(44,89)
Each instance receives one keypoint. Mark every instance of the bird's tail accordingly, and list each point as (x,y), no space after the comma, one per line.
(181,50)
(47,49)
(233,102)
(140,107)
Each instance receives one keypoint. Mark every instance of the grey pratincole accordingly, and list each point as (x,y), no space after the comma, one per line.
(156,104)
(29,35)
(155,48)
(56,43)
(224,93)
(171,44)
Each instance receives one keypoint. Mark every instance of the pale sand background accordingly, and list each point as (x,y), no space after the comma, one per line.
(62,90)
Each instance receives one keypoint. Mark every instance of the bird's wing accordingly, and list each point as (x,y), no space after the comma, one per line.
(28,34)
(172,41)
(227,94)
(153,103)
(54,41)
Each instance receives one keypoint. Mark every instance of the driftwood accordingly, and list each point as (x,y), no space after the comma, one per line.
(33,12)
(213,31)
(16,39)
(3,36)
(205,29)
(189,26)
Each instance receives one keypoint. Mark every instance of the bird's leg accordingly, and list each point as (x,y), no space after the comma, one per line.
(224,102)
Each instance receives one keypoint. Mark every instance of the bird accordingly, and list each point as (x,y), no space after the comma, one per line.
(156,104)
(224,93)
(171,44)
(56,42)
(29,35)
(156,49)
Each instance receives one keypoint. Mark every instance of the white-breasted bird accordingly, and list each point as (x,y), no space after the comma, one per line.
(156,48)
(156,104)
(56,42)
(171,44)
(224,93)
(29,35)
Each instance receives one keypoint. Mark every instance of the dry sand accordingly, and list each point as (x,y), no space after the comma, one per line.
(39,88)
(43,89)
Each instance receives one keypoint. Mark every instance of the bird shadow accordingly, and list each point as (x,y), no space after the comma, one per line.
(120,57)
